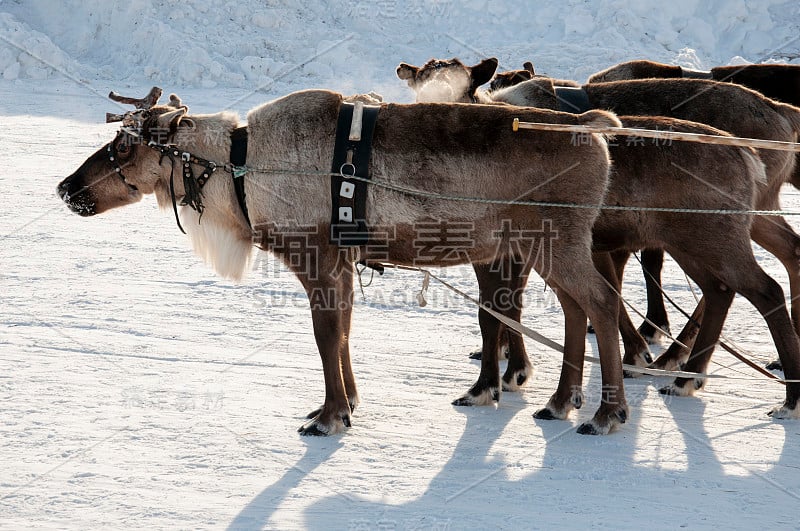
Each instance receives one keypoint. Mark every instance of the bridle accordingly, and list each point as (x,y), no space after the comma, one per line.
(193,187)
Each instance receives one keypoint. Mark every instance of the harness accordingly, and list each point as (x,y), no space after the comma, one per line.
(351,154)
(193,186)
(573,100)
(349,172)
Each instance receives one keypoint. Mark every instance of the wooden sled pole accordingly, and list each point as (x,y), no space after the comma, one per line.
(660,135)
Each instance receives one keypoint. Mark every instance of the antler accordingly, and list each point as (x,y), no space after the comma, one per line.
(529,67)
(140,103)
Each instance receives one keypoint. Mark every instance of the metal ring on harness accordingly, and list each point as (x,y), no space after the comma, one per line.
(347,175)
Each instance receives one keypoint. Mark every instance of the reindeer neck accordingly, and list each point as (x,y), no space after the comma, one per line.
(208,136)
(199,178)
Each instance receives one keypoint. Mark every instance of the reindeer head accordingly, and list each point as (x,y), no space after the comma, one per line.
(447,80)
(512,77)
(125,169)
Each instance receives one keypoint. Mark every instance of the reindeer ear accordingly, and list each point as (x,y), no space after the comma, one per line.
(483,71)
(528,66)
(407,72)
(169,121)
(175,102)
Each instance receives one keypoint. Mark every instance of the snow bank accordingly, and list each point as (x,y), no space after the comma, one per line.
(278,46)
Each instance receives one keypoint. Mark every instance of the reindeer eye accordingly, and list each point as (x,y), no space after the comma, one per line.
(123,148)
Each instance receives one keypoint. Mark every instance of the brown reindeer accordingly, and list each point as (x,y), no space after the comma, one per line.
(713,249)
(442,150)
(777,81)
(742,112)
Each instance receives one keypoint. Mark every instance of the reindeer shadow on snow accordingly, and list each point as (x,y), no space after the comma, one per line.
(489,481)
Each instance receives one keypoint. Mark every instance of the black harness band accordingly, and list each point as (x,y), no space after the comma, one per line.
(238,169)
(572,100)
(351,155)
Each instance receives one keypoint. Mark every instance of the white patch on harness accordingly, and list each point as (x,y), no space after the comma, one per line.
(347,190)
(355,124)
(346,214)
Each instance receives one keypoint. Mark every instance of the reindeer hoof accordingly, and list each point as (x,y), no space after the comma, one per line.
(775,365)
(683,387)
(545,414)
(605,422)
(315,427)
(587,428)
(558,409)
(515,381)
(652,334)
(487,397)
(665,363)
(577,399)
(311,430)
(352,402)
(642,358)
(785,412)
(476,355)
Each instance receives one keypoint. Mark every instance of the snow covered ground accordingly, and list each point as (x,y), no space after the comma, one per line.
(138,390)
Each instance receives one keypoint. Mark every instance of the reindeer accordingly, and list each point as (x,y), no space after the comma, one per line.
(742,112)
(780,82)
(424,157)
(713,249)
(777,81)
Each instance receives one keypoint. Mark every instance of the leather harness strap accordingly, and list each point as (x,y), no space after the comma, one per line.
(238,159)
(572,100)
(351,155)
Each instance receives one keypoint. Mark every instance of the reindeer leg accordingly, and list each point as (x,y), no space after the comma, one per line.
(569,394)
(331,299)
(347,317)
(718,298)
(519,369)
(635,347)
(344,353)
(776,236)
(672,358)
(481,272)
(652,263)
(583,283)
(767,296)
(486,390)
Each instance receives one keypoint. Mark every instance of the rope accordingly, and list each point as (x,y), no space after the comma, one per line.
(238,171)
(731,350)
(517,202)
(544,340)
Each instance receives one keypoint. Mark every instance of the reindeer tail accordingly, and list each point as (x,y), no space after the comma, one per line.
(600,119)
